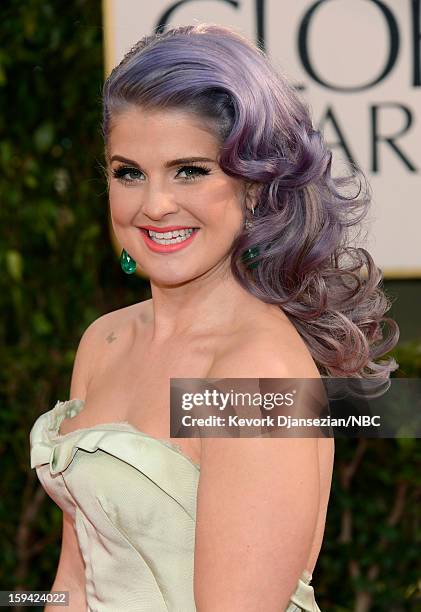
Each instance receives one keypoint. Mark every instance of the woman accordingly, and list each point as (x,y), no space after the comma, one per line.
(220,189)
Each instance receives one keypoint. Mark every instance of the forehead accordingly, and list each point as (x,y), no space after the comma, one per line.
(165,133)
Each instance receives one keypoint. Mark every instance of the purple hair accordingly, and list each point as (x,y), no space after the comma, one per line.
(305,263)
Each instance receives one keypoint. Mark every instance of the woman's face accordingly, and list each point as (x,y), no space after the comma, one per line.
(153,181)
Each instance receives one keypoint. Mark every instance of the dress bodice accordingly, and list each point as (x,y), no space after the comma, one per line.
(132,498)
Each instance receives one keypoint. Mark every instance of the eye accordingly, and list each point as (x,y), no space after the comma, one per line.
(121,172)
(197,171)
(192,173)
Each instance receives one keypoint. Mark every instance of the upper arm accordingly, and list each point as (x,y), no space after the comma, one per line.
(70,574)
(85,359)
(257,505)
(71,566)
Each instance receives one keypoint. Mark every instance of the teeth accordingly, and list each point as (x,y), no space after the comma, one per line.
(172,234)
(172,237)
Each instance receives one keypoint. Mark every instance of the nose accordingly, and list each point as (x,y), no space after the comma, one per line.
(157,202)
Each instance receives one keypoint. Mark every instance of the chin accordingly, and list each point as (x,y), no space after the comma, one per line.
(170,280)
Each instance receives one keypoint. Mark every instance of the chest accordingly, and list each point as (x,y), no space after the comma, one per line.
(131,382)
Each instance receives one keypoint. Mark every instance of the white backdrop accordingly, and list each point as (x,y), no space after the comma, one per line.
(358,65)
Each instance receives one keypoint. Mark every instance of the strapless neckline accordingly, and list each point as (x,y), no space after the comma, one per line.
(68,409)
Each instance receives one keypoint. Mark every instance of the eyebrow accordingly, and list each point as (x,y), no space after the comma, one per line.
(168,164)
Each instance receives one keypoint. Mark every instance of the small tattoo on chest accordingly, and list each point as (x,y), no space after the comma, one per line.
(111,337)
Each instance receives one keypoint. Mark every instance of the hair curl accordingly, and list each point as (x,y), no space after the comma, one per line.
(306,264)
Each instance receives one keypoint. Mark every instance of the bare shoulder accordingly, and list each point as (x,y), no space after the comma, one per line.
(273,348)
(117,320)
(101,332)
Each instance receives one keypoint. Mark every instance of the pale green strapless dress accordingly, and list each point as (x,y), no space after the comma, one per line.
(133,501)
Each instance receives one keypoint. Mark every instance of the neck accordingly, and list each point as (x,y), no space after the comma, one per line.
(207,304)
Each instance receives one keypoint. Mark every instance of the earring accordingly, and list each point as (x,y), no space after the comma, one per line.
(128,264)
(252,252)
(248,223)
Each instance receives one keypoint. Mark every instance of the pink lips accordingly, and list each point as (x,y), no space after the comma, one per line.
(167,248)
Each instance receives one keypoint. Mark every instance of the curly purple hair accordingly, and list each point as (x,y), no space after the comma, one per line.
(300,229)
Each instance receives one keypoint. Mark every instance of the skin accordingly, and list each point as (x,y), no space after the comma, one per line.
(196,278)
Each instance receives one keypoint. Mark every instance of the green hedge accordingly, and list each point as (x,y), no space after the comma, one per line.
(59,272)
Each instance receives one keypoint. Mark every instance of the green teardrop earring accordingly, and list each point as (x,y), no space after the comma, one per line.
(249,255)
(128,264)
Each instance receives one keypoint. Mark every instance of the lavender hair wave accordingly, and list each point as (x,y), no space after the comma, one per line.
(302,222)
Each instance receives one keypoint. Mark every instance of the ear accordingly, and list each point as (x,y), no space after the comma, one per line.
(251,195)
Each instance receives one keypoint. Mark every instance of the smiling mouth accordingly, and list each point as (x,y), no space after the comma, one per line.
(171,237)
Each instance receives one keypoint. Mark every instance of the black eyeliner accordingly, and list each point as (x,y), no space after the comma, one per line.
(119,172)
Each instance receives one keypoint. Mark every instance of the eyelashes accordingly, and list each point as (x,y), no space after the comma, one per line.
(121,172)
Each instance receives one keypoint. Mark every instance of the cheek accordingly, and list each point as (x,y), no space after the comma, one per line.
(222,203)
(226,215)
(122,204)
